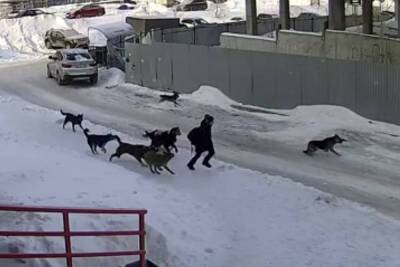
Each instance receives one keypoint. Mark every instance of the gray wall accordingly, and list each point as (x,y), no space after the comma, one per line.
(331,44)
(269,79)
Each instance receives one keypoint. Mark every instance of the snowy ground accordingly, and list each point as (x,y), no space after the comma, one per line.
(226,216)
(264,215)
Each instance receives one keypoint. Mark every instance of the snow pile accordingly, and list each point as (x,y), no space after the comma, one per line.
(110,78)
(225,216)
(11,56)
(209,95)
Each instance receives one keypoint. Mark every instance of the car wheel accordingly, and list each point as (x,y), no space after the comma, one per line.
(48,44)
(49,73)
(93,79)
(60,80)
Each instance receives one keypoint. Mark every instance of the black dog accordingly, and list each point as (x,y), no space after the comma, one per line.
(73,119)
(200,138)
(137,151)
(95,141)
(326,145)
(167,139)
(171,98)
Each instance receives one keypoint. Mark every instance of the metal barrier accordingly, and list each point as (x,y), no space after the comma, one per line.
(67,233)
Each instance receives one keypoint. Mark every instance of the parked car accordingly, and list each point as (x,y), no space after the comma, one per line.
(125,7)
(307,16)
(194,5)
(237,19)
(27,13)
(60,38)
(193,22)
(91,10)
(263,16)
(69,64)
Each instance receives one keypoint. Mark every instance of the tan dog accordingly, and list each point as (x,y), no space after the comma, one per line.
(158,159)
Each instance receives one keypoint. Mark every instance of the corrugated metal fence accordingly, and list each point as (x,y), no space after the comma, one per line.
(269,79)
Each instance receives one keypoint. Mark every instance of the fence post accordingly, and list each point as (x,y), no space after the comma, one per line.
(142,240)
(67,238)
(312,24)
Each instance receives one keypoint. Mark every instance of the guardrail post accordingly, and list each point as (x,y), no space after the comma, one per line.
(67,237)
(142,240)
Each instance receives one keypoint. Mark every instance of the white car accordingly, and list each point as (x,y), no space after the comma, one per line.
(69,64)
(193,22)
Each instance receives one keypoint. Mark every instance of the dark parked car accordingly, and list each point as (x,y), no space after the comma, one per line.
(307,16)
(27,13)
(60,38)
(237,19)
(194,5)
(125,7)
(263,16)
(91,10)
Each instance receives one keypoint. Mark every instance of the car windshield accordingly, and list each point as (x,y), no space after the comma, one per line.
(70,33)
(77,56)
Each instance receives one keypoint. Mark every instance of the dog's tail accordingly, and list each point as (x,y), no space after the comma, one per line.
(86,131)
(62,112)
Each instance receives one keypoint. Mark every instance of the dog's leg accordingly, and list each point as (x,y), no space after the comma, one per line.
(73,127)
(114,155)
(65,122)
(176,149)
(103,149)
(156,170)
(93,147)
(151,168)
(334,151)
(168,169)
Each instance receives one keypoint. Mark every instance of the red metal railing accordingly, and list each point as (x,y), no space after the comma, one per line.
(67,233)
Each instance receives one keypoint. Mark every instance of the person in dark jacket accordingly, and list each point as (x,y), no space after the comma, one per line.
(200,138)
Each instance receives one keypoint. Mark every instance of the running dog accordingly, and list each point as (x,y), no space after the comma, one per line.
(326,145)
(157,160)
(167,139)
(73,119)
(170,98)
(136,151)
(95,141)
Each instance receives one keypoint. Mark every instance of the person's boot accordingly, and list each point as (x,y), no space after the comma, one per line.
(207,164)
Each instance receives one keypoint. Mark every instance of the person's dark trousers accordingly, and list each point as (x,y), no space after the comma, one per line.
(211,153)
(192,162)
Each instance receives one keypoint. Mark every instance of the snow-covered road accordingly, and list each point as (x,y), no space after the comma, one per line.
(367,173)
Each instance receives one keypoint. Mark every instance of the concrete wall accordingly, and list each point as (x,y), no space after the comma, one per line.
(333,44)
(300,43)
(268,79)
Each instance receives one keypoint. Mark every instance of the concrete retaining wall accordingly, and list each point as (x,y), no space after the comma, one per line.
(332,44)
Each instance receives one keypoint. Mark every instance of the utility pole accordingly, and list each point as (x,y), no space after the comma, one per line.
(284,13)
(367,16)
(337,19)
(251,17)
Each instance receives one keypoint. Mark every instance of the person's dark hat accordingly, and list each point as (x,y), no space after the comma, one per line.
(208,117)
